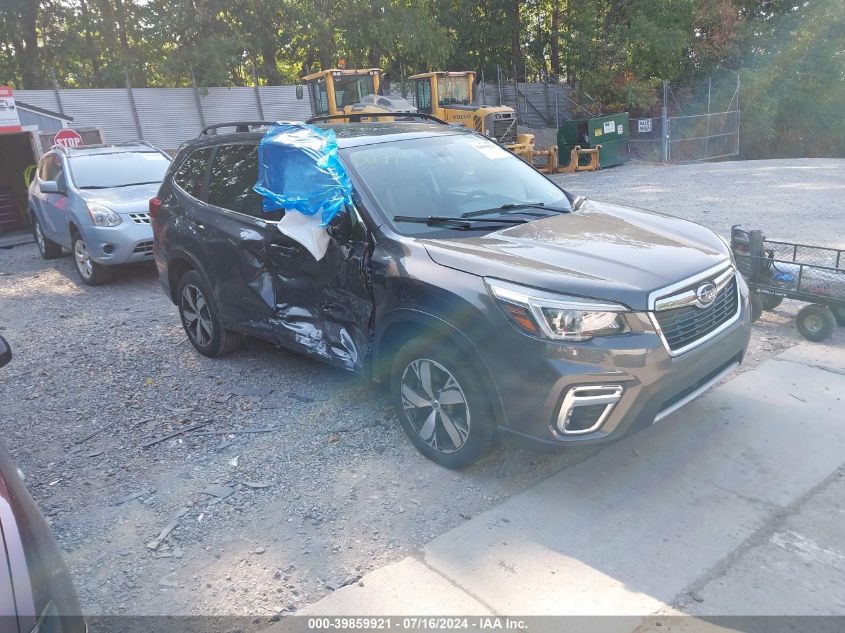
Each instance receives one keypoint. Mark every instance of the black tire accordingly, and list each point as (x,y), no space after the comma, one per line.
(468,415)
(199,318)
(756,306)
(839,315)
(815,322)
(47,247)
(90,272)
(770,302)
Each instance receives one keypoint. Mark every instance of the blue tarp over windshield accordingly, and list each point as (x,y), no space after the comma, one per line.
(298,169)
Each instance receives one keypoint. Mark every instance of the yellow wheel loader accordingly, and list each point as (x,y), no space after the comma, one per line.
(451,96)
(354,92)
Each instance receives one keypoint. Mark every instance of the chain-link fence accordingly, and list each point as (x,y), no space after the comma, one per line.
(698,121)
(688,122)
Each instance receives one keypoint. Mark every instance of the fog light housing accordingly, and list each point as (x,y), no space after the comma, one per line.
(586,407)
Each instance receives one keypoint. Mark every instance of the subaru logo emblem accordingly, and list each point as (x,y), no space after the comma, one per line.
(706,294)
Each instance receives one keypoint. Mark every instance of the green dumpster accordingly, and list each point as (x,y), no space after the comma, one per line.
(610,131)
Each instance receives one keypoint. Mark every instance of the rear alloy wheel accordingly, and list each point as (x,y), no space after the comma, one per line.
(91,273)
(48,248)
(441,405)
(815,322)
(200,320)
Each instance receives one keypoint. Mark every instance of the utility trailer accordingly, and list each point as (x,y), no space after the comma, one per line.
(776,270)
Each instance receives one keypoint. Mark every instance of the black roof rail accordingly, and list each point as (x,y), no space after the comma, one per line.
(352,116)
(106,145)
(236,124)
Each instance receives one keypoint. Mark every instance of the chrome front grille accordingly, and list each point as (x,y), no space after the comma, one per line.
(144,247)
(684,320)
(140,218)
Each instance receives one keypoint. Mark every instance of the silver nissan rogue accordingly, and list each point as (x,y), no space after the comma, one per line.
(92,200)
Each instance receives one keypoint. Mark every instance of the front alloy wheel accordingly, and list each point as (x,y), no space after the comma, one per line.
(83,259)
(441,402)
(435,405)
(91,273)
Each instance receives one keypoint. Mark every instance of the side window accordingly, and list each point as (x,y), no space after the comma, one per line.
(50,168)
(44,166)
(56,172)
(424,96)
(233,174)
(321,97)
(190,175)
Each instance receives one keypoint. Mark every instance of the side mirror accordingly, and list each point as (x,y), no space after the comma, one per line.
(299,92)
(340,228)
(5,352)
(49,186)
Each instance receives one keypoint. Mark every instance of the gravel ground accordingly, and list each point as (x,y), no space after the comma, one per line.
(793,200)
(334,491)
(268,522)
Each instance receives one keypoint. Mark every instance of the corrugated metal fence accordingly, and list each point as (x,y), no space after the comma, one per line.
(167,117)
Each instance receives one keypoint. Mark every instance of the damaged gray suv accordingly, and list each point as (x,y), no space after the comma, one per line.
(489,300)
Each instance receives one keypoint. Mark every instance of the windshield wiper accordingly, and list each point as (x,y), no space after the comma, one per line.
(132,184)
(458,223)
(511,206)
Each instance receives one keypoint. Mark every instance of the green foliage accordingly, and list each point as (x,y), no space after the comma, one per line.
(614,53)
(794,86)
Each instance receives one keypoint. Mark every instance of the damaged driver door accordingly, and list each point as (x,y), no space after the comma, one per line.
(324,307)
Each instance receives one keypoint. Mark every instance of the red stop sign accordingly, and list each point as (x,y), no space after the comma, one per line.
(67,138)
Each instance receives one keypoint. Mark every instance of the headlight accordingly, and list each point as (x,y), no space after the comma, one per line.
(102,215)
(554,316)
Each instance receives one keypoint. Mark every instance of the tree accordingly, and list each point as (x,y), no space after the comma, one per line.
(794,83)
(612,52)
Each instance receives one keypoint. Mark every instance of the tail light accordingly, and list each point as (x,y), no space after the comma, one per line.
(155,205)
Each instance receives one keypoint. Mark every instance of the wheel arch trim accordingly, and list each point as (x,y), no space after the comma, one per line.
(398,318)
(194,263)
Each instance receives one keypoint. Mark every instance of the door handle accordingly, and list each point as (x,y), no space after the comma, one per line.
(198,225)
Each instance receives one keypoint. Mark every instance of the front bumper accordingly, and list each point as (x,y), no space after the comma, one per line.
(533,379)
(125,243)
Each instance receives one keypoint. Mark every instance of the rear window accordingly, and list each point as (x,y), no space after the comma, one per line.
(118,169)
(233,174)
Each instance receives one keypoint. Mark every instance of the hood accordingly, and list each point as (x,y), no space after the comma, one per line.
(602,251)
(134,199)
